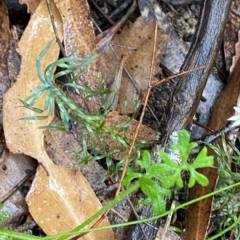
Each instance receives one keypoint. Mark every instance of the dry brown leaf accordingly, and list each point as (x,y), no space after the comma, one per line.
(132,37)
(31,5)
(113,118)
(62,186)
(63,202)
(138,65)
(16,207)
(79,41)
(15,169)
(19,134)
(137,36)
(77,28)
(237,53)
(145,133)
(60,150)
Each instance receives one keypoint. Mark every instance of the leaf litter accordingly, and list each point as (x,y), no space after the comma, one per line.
(135,70)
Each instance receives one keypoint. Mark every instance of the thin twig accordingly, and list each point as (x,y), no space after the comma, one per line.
(177,75)
(109,34)
(114,211)
(54,28)
(113,97)
(137,216)
(103,13)
(120,9)
(105,40)
(126,47)
(17,186)
(125,69)
(153,114)
(143,111)
(203,126)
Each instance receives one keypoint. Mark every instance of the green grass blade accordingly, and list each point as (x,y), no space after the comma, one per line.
(28,106)
(38,62)
(34,118)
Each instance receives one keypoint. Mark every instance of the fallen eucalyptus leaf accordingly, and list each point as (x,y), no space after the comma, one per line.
(60,199)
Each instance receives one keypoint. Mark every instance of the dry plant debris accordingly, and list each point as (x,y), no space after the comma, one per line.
(54,196)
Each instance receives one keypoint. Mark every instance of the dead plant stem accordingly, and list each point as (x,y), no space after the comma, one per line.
(176,75)
(54,28)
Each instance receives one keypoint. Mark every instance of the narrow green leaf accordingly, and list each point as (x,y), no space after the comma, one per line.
(34,118)
(92,134)
(55,126)
(123,141)
(49,102)
(28,106)
(38,61)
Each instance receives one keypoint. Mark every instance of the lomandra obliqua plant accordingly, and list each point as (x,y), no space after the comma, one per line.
(92,123)
(55,94)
